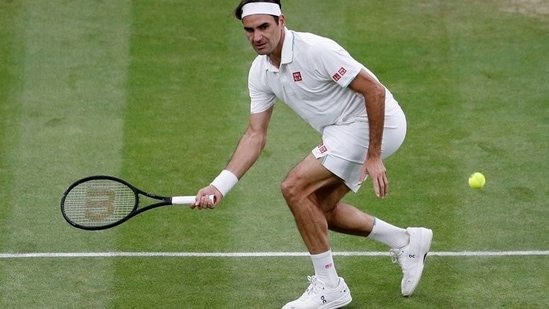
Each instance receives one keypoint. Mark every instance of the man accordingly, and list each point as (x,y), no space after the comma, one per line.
(360,123)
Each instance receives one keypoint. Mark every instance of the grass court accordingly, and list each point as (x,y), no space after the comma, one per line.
(155,92)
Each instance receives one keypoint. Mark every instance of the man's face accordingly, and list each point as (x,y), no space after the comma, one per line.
(263,32)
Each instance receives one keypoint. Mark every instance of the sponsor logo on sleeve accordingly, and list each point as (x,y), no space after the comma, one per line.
(337,76)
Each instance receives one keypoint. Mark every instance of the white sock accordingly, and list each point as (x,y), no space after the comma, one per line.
(325,268)
(392,236)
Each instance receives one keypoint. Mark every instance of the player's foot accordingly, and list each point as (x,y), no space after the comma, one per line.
(319,296)
(411,257)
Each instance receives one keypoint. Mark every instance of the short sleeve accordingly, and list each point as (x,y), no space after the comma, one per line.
(333,61)
(261,96)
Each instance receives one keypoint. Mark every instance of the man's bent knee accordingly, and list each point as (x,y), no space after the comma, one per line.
(290,190)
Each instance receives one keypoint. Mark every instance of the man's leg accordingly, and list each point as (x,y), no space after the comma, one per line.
(326,289)
(313,194)
(409,246)
(347,219)
(298,190)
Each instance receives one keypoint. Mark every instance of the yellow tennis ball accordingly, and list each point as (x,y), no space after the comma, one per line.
(477,180)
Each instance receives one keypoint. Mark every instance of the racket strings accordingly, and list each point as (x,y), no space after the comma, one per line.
(99,202)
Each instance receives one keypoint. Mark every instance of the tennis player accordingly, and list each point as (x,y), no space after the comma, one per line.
(360,123)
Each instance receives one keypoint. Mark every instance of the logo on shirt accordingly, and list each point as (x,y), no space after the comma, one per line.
(337,76)
(297,76)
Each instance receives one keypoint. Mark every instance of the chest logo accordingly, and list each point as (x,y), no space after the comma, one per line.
(297,76)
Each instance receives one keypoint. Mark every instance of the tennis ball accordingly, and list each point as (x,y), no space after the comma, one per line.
(477,180)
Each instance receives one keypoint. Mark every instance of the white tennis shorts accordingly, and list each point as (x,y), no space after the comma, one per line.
(344,146)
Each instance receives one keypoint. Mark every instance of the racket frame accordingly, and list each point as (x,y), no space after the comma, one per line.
(163,201)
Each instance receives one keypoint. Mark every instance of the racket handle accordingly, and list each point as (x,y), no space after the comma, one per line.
(187,200)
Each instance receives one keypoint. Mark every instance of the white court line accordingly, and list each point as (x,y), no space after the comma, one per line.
(255,254)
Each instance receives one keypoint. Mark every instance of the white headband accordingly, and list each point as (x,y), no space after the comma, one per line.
(266,8)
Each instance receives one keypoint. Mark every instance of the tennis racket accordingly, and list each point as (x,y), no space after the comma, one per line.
(102,202)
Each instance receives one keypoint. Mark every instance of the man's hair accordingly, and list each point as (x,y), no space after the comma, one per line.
(238,10)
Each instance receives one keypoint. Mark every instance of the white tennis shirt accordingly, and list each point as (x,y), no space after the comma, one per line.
(312,79)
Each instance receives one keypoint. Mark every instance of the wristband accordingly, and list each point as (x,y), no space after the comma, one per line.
(225,181)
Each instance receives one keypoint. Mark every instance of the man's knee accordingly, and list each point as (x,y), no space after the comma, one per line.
(290,189)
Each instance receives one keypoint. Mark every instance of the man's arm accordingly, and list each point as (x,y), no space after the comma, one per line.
(246,153)
(374,93)
(251,144)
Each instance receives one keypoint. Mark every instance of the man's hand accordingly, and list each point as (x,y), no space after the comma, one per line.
(203,198)
(375,169)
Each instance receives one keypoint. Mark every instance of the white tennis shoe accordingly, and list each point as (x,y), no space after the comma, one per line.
(411,257)
(319,296)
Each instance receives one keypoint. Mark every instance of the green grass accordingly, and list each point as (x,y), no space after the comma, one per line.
(155,92)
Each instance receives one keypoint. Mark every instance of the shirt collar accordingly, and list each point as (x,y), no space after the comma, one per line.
(287,54)
(288,47)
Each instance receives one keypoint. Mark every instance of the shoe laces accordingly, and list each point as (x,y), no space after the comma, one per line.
(315,285)
(395,255)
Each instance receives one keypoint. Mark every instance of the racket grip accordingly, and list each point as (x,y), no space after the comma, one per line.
(187,200)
